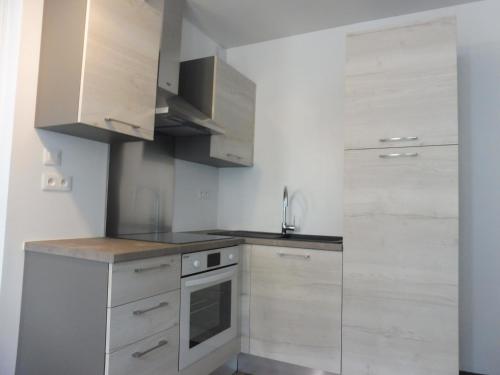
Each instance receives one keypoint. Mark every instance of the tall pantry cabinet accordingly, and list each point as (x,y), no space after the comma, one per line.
(400,299)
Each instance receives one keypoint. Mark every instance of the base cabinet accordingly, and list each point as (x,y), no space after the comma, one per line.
(84,317)
(295,306)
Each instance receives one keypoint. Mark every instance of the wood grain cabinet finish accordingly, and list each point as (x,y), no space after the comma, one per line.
(402,83)
(69,326)
(155,355)
(234,109)
(400,299)
(244,282)
(295,306)
(98,68)
(132,281)
(133,321)
(228,98)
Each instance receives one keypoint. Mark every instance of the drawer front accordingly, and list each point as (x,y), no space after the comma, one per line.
(156,355)
(132,281)
(401,87)
(134,321)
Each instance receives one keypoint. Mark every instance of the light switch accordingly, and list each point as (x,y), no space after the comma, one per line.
(52,157)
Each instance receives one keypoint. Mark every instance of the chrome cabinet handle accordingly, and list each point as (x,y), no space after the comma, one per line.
(305,256)
(141,270)
(160,305)
(234,156)
(399,139)
(110,119)
(142,354)
(399,155)
(210,279)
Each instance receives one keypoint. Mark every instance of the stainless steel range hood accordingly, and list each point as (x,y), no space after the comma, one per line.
(174,115)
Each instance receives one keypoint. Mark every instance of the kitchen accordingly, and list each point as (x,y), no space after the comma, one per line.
(289,137)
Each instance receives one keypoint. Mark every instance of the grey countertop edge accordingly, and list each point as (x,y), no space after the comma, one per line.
(300,244)
(99,253)
(100,249)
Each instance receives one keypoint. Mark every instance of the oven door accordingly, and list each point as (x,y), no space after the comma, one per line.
(208,313)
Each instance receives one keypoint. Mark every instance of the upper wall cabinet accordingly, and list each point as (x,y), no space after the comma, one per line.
(98,68)
(228,98)
(401,87)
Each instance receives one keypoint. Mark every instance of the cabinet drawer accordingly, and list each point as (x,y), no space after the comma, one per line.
(132,281)
(156,355)
(134,321)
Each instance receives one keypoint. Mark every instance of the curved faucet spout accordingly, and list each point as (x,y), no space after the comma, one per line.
(284,226)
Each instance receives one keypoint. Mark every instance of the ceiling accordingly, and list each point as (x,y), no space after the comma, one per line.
(233,23)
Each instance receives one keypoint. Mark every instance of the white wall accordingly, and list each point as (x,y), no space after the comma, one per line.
(298,136)
(299,142)
(10,20)
(31,213)
(191,212)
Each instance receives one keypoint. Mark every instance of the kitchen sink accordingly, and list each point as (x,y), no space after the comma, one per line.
(278,236)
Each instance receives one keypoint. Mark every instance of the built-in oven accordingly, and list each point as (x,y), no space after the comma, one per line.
(209,302)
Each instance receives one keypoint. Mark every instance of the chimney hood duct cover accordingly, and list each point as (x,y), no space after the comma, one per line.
(174,115)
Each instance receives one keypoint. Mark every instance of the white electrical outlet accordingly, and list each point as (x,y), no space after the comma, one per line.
(56,182)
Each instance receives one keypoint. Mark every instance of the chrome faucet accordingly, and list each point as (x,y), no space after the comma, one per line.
(284,226)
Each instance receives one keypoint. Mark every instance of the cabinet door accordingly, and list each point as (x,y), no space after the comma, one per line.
(234,110)
(400,300)
(295,306)
(121,65)
(244,311)
(402,83)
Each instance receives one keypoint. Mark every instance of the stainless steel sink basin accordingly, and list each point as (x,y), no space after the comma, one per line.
(278,236)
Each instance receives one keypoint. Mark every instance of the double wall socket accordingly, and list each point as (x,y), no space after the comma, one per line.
(53,181)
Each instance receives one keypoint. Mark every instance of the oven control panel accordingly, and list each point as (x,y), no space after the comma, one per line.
(209,260)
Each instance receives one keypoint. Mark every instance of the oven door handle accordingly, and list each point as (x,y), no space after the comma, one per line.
(210,279)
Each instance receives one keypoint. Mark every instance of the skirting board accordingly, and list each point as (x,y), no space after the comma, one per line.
(250,364)
(219,361)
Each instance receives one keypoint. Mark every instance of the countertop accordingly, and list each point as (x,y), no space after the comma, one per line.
(113,250)
(313,242)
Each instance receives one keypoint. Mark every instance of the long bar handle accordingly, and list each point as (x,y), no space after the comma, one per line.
(399,139)
(234,156)
(305,256)
(399,155)
(141,312)
(142,354)
(210,279)
(110,119)
(161,266)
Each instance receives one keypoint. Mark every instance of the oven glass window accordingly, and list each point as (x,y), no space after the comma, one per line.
(210,312)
